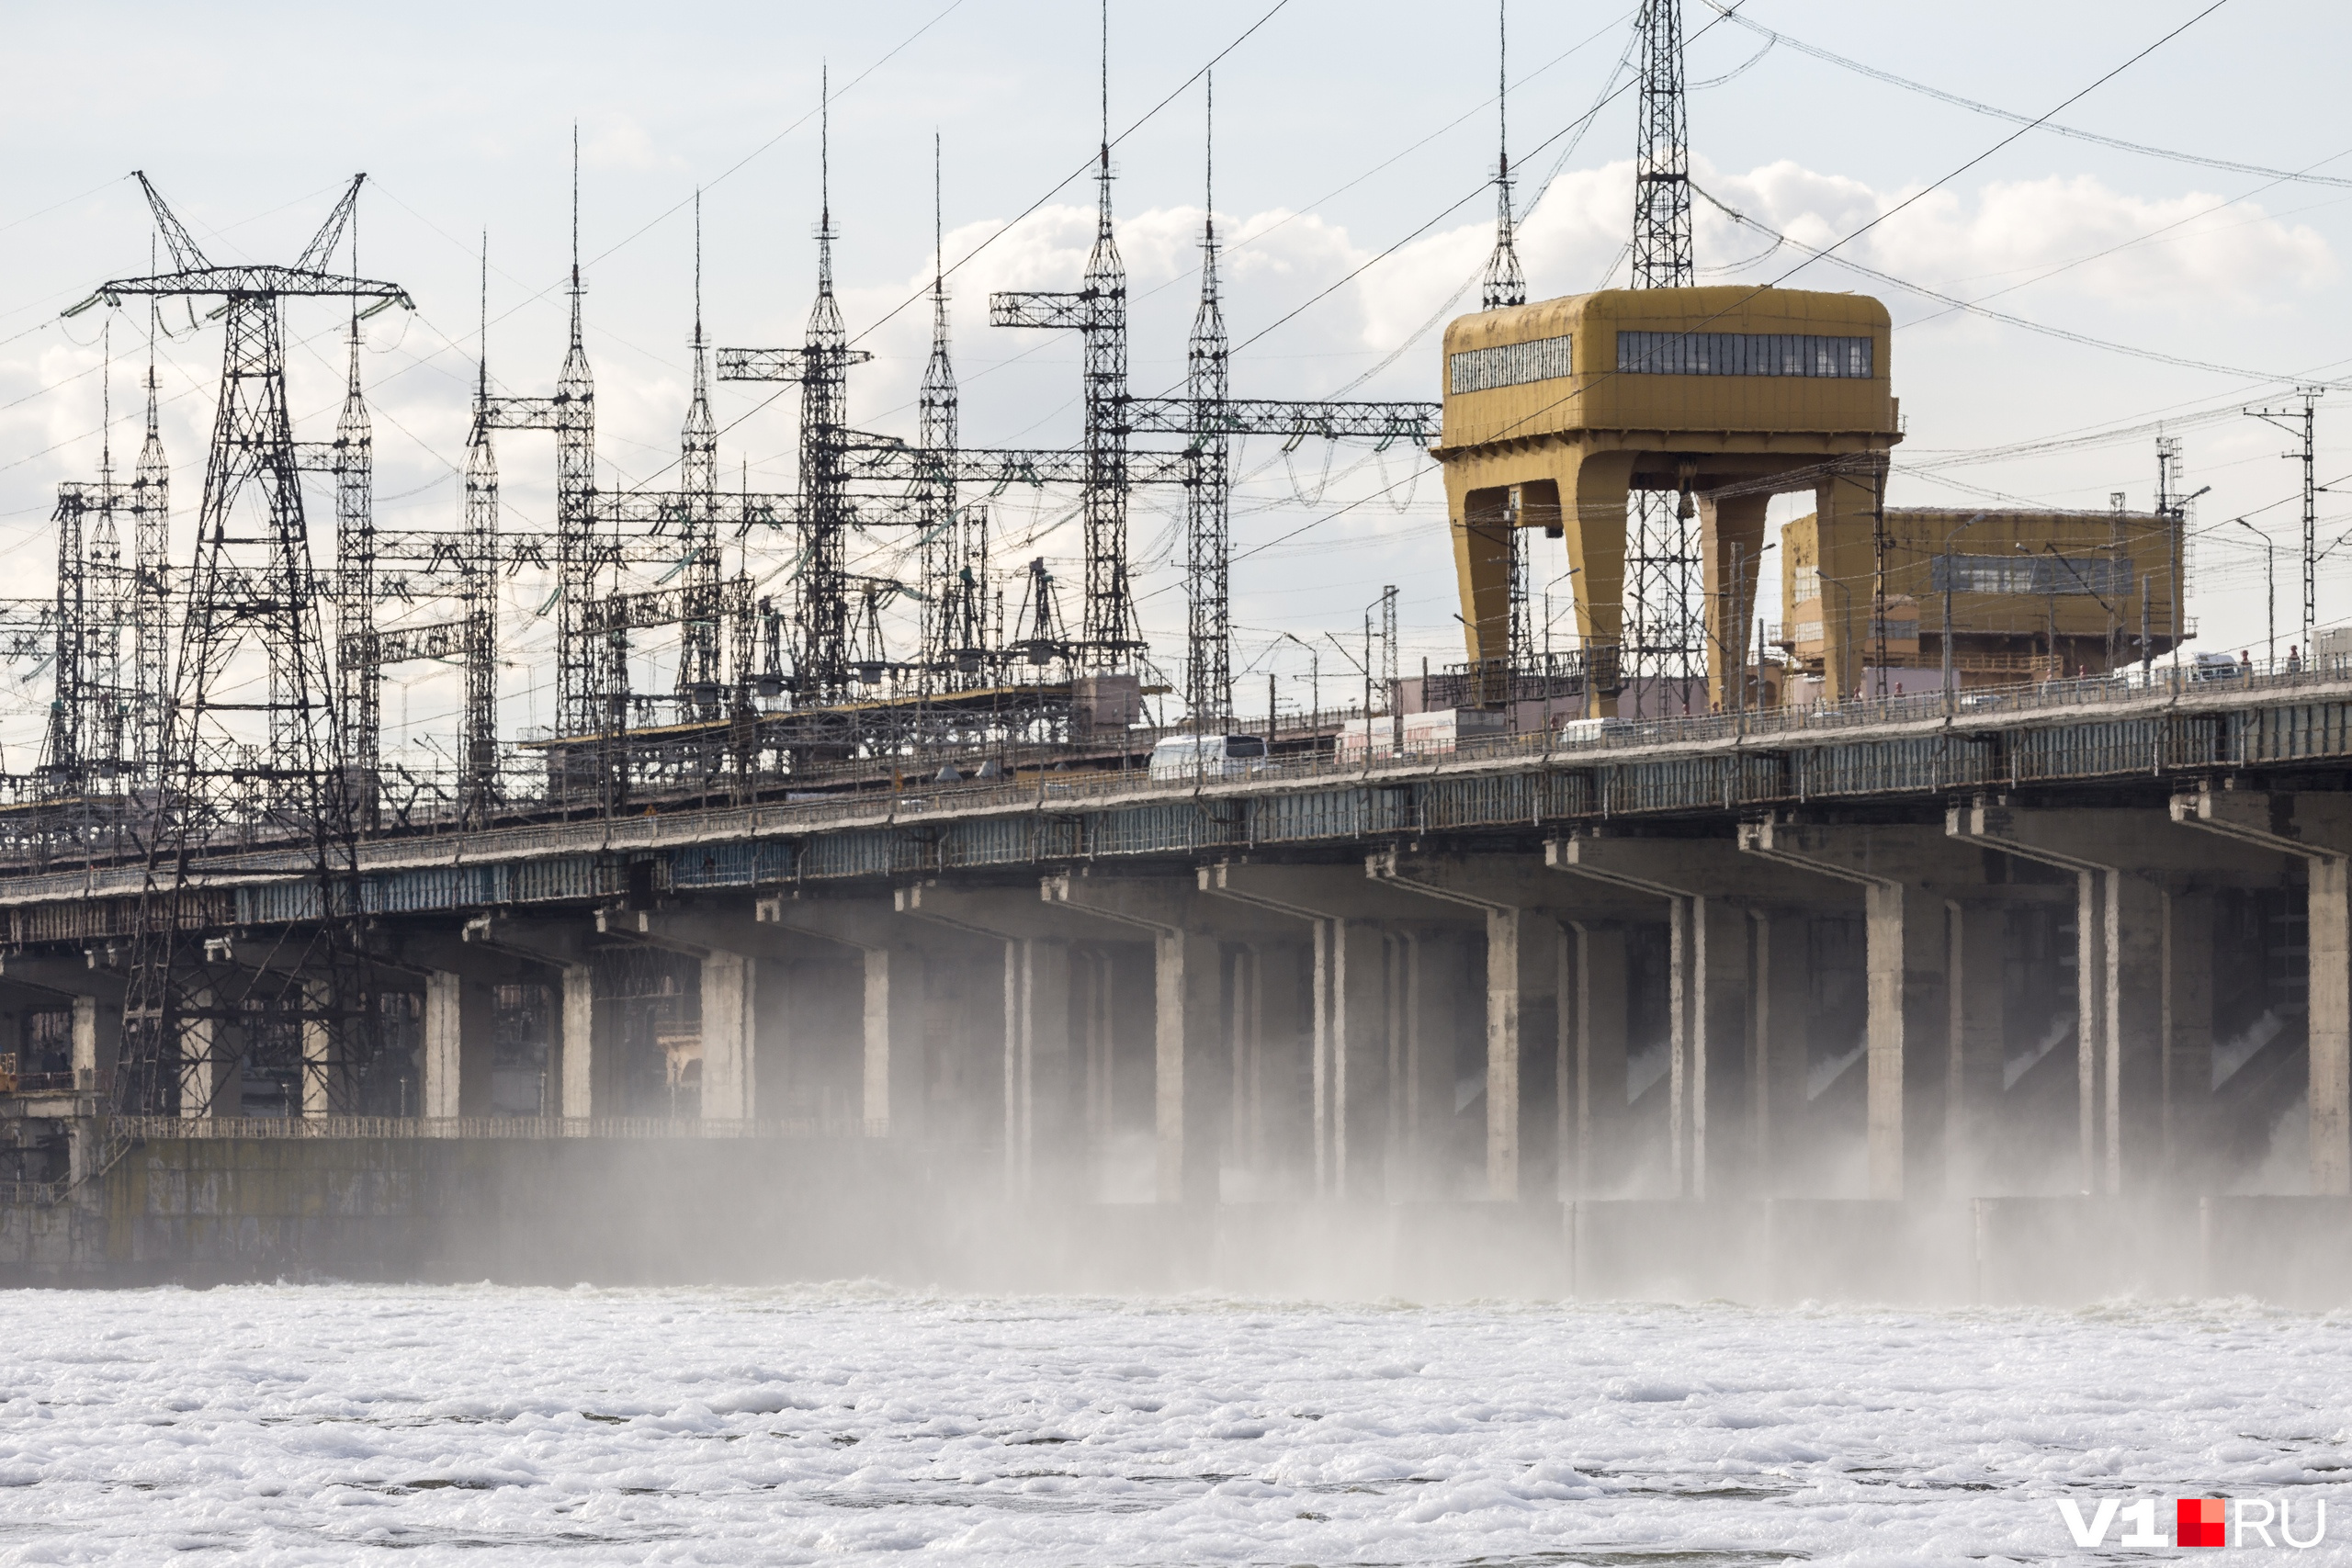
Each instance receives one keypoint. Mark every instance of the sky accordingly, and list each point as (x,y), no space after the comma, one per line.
(1355,145)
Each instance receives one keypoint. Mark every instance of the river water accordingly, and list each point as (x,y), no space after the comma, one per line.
(325,1423)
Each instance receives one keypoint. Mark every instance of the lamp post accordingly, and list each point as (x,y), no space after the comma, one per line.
(1950,573)
(1314,680)
(2270,582)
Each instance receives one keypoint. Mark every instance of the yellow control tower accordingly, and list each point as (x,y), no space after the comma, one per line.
(1554,411)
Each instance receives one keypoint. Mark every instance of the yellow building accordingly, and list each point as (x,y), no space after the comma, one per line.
(1555,411)
(2033,595)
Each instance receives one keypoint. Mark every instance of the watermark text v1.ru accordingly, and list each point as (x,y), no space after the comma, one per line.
(2201,1521)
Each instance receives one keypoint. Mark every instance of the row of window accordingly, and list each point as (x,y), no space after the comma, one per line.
(2042,574)
(1743,353)
(1667,354)
(1506,365)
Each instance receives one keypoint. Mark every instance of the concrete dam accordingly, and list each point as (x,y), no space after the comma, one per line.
(1907,997)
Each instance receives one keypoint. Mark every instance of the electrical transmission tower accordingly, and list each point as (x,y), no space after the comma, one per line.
(821,661)
(1662,588)
(2299,422)
(699,691)
(1109,635)
(359,670)
(150,512)
(478,752)
(584,712)
(1212,417)
(942,547)
(253,726)
(1505,284)
(1208,539)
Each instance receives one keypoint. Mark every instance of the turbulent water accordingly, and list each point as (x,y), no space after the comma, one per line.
(331,1423)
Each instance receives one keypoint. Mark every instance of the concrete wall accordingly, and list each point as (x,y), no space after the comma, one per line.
(745,1211)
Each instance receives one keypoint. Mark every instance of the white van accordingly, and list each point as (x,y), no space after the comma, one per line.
(1181,757)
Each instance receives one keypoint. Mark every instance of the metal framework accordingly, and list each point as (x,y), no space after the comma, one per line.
(1665,629)
(254,715)
(1504,283)
(1109,637)
(2299,423)
(1213,418)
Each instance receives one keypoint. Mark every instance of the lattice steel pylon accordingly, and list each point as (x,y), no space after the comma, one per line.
(823,656)
(151,517)
(478,744)
(359,673)
(1212,417)
(1505,283)
(941,549)
(201,1013)
(1109,635)
(1664,631)
(1662,255)
(824,510)
(698,635)
(1208,545)
(585,711)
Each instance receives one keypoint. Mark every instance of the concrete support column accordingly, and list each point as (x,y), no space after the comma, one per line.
(2329,1023)
(1779,1034)
(1510,969)
(457,1065)
(1978,1032)
(1715,1065)
(1037,1061)
(729,1020)
(1436,1000)
(1187,972)
(1246,1139)
(1355,1053)
(1093,984)
(1600,1034)
(774,1073)
(2090,1023)
(2119,858)
(1908,871)
(98,1039)
(1278,1115)
(891,1095)
(2187,1027)
(1717,994)
(1906,949)
(586,1052)
(1679,1024)
(2132,1076)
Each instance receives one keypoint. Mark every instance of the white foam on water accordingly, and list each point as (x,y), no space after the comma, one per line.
(313,1424)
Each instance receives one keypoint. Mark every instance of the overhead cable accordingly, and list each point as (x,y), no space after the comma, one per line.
(1994,112)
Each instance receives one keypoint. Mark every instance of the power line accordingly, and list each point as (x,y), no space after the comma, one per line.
(2305,176)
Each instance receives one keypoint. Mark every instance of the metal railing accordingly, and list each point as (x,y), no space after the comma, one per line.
(1567,738)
